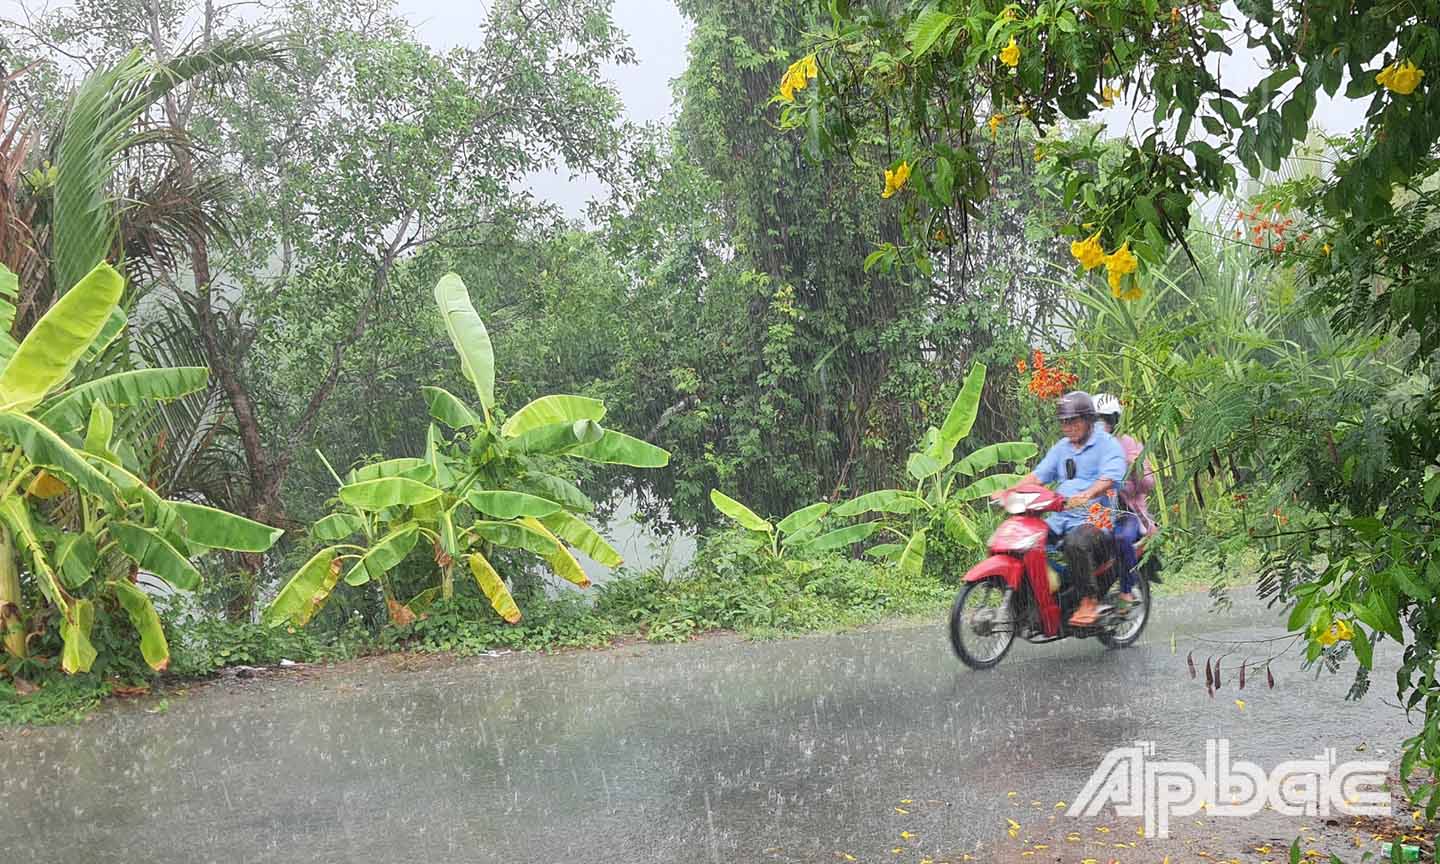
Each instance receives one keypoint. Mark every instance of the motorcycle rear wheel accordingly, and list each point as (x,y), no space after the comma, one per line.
(984,636)
(1127,633)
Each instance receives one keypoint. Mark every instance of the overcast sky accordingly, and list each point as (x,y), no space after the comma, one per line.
(657,32)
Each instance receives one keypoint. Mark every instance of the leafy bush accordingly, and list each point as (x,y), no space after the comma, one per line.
(205,646)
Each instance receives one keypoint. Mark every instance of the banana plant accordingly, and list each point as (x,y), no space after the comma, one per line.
(77,522)
(482,484)
(800,531)
(943,486)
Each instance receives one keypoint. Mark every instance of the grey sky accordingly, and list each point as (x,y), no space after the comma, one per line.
(657,32)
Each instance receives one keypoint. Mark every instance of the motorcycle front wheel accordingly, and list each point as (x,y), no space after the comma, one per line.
(982,623)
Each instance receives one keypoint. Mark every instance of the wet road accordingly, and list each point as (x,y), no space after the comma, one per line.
(720,750)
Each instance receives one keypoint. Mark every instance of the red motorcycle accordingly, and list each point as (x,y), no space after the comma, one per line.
(1021,589)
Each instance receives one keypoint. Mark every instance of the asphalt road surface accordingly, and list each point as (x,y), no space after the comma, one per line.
(718,750)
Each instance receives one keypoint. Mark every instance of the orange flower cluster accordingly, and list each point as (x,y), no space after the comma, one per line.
(1099,517)
(1264,230)
(1047,382)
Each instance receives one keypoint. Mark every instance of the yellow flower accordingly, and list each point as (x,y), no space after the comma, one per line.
(1343,630)
(1125,290)
(1008,13)
(1400,78)
(995,121)
(1118,265)
(1088,252)
(798,76)
(1121,261)
(1329,637)
(1010,55)
(1325,248)
(894,180)
(1108,95)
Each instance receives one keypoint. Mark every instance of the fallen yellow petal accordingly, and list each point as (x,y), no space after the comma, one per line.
(1060,805)
(906,835)
(906,801)
(1011,794)
(1103,830)
(1240,703)
(902,811)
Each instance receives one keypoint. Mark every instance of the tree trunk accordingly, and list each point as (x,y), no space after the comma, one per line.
(12,623)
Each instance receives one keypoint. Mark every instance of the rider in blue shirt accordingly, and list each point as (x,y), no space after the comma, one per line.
(1087,463)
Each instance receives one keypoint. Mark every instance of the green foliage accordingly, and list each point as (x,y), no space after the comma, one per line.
(75,519)
(66,700)
(489,485)
(928,79)
(204,646)
(938,504)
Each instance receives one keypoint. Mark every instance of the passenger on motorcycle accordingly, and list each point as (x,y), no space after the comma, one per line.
(1088,463)
(1133,522)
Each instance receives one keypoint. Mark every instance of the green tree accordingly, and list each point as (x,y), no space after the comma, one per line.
(366,149)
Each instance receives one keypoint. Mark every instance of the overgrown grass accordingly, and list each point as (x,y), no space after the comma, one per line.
(729,587)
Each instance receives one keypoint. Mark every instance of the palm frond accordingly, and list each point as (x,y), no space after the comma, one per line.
(101,123)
